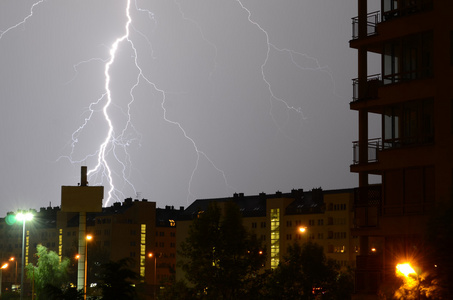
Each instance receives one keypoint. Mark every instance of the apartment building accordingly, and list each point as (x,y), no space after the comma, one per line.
(413,98)
(133,229)
(325,216)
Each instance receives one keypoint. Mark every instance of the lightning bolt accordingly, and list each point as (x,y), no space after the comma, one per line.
(292,54)
(116,142)
(112,142)
(2,33)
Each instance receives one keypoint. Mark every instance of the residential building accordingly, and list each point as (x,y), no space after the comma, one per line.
(132,229)
(413,98)
(325,216)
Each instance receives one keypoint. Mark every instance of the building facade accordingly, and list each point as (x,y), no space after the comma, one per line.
(133,229)
(412,96)
(325,216)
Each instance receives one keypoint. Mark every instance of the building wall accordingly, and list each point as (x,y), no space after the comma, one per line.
(415,165)
(328,226)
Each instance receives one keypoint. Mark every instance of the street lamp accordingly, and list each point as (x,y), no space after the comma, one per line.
(88,238)
(24,217)
(12,258)
(151,255)
(4,266)
(406,270)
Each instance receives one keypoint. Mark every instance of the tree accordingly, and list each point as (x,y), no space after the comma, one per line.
(49,271)
(437,256)
(220,256)
(117,279)
(52,292)
(306,273)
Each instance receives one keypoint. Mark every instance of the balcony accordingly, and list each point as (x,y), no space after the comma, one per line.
(424,73)
(367,206)
(374,145)
(370,91)
(425,139)
(372,20)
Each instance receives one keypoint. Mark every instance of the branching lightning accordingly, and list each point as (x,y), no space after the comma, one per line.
(116,140)
(111,142)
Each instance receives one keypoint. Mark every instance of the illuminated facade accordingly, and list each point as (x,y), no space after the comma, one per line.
(325,216)
(131,229)
(412,97)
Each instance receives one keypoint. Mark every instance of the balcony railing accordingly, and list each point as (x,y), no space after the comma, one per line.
(370,195)
(367,206)
(370,91)
(374,145)
(408,75)
(408,141)
(372,19)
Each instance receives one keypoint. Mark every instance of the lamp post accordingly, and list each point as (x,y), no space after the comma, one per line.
(24,217)
(4,266)
(88,238)
(12,258)
(151,255)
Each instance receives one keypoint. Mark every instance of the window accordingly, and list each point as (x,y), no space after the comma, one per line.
(253,224)
(408,58)
(263,224)
(408,123)
(320,221)
(288,237)
(288,224)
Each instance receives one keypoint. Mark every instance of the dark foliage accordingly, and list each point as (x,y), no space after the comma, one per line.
(220,257)
(116,281)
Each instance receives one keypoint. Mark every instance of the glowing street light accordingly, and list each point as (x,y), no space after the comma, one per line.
(24,217)
(88,238)
(151,255)
(302,229)
(4,266)
(13,259)
(406,269)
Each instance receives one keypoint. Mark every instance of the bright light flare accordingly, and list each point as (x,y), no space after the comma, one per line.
(302,229)
(4,266)
(405,269)
(24,216)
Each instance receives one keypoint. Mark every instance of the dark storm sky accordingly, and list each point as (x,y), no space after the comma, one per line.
(247,97)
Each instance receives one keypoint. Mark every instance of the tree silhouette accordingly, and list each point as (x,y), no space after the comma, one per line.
(220,256)
(306,273)
(117,281)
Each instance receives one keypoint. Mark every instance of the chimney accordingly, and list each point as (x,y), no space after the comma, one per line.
(83,180)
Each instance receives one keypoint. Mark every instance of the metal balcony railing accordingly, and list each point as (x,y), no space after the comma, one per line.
(372,20)
(370,195)
(370,91)
(423,73)
(373,145)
